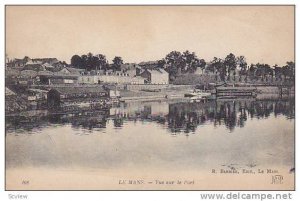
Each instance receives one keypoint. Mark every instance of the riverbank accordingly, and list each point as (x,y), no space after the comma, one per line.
(167,92)
(178,93)
(16,103)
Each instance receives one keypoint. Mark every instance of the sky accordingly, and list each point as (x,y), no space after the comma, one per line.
(263,34)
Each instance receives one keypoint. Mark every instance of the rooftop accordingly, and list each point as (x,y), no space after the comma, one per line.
(74,70)
(144,63)
(157,71)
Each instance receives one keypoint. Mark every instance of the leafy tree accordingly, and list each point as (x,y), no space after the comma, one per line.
(277,72)
(289,71)
(177,63)
(263,70)
(102,62)
(259,71)
(174,63)
(84,61)
(230,64)
(95,63)
(161,63)
(252,69)
(202,64)
(76,61)
(217,65)
(90,63)
(242,64)
(268,72)
(117,62)
(191,62)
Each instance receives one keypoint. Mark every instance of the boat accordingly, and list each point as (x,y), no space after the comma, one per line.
(198,94)
(234,92)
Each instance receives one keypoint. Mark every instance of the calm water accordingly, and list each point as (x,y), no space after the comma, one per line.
(162,135)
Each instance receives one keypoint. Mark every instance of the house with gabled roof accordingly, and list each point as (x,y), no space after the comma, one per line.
(155,76)
(70,70)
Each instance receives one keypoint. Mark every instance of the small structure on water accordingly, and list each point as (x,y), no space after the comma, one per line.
(234,92)
(198,93)
(56,97)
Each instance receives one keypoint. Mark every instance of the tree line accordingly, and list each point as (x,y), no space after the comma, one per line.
(177,63)
(95,62)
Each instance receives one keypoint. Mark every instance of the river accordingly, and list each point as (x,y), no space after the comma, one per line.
(151,141)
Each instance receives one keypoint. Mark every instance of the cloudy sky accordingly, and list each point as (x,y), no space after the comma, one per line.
(141,33)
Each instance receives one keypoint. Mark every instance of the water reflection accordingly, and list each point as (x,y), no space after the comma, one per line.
(176,117)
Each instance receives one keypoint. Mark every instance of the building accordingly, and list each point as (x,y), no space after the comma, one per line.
(113,92)
(57,96)
(56,78)
(12,73)
(113,78)
(49,67)
(106,78)
(131,72)
(50,61)
(69,70)
(35,67)
(36,94)
(155,76)
(16,63)
(26,77)
(137,80)
(59,65)
(149,64)
(28,74)
(129,68)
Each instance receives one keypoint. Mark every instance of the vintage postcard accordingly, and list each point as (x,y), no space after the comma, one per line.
(149,97)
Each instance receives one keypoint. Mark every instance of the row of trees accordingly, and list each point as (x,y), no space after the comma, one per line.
(187,62)
(177,63)
(95,62)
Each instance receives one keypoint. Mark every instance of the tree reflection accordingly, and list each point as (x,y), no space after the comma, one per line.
(176,117)
(231,113)
(118,122)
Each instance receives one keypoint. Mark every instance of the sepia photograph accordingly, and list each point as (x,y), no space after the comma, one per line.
(156,97)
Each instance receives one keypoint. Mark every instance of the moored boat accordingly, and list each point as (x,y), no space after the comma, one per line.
(197,94)
(234,92)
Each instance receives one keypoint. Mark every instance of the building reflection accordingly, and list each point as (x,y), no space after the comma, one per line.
(176,117)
